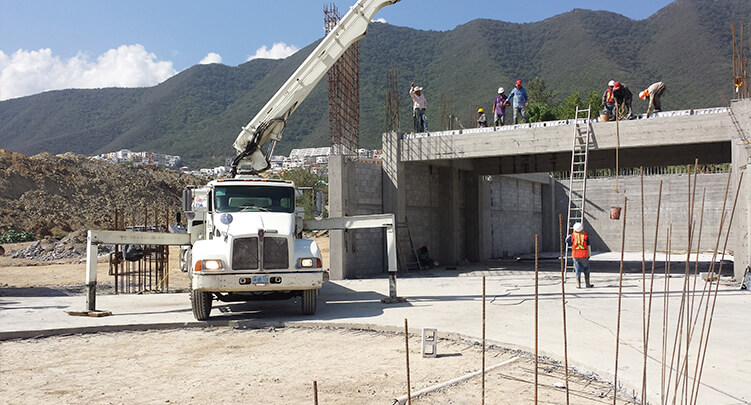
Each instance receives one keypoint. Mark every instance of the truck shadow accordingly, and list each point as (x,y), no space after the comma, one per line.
(335,302)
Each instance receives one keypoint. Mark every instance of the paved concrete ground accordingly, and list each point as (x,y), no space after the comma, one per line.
(450,300)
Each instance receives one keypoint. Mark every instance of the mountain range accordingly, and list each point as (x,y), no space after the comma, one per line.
(198,113)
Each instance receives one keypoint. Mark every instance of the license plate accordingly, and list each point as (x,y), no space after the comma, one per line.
(259,280)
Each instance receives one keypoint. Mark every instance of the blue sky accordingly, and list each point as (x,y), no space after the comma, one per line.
(55,44)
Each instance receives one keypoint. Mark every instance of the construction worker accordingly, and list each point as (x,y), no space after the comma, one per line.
(419,106)
(654,92)
(580,251)
(521,102)
(482,121)
(608,100)
(499,107)
(623,97)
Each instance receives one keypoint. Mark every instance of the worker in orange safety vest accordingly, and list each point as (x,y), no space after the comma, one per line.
(580,251)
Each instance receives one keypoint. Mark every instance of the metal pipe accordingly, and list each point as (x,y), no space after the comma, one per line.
(651,289)
(315,392)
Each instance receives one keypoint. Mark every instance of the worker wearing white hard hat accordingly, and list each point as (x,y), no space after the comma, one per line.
(499,107)
(580,252)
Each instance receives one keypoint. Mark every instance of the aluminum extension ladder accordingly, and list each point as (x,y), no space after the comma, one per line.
(577,185)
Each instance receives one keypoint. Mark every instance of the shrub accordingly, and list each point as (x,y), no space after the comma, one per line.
(13,236)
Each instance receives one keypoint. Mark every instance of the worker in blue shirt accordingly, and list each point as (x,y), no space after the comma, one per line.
(521,102)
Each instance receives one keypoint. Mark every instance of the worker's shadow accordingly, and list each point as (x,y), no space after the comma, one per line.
(335,302)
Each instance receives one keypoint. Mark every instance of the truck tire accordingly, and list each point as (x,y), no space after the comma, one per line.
(200,301)
(309,298)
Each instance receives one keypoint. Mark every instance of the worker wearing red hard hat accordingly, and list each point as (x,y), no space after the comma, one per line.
(623,97)
(521,102)
(654,92)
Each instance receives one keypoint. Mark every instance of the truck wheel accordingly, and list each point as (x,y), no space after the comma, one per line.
(201,303)
(309,298)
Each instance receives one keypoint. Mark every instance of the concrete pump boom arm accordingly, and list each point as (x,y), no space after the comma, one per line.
(268,124)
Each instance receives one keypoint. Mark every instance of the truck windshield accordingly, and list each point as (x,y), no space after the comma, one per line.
(254,198)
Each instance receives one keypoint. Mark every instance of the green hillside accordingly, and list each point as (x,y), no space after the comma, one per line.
(198,113)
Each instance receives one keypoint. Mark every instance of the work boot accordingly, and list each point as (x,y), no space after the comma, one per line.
(586,281)
(578,281)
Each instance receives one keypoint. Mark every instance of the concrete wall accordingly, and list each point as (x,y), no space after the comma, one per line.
(356,189)
(606,234)
(513,213)
(741,159)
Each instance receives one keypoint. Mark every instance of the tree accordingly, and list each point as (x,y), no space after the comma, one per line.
(537,92)
(567,108)
(308,185)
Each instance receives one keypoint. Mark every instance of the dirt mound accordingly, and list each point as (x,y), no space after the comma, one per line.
(55,195)
(71,247)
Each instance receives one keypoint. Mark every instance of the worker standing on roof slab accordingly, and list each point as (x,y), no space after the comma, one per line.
(654,92)
(419,105)
(499,107)
(608,100)
(623,97)
(521,102)
(482,121)
(580,251)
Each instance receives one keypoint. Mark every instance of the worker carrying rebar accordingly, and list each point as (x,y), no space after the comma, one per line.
(482,120)
(654,92)
(580,251)
(623,97)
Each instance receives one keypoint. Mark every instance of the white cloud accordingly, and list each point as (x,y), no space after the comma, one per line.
(380,20)
(212,57)
(279,50)
(29,72)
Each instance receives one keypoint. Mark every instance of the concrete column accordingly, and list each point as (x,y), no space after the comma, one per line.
(485,227)
(338,199)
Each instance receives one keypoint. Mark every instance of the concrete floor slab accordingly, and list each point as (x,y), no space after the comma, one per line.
(450,300)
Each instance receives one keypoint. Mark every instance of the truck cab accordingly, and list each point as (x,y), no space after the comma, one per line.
(246,236)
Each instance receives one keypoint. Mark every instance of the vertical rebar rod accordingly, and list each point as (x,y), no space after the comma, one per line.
(651,289)
(643,292)
(483,340)
(406,355)
(620,291)
(537,358)
(697,377)
(563,302)
(666,308)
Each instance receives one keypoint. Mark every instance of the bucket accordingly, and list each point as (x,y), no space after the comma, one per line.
(615,212)
(605,116)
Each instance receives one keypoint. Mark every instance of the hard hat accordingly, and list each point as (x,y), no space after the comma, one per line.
(616,85)
(480,110)
(578,227)
(500,90)
(611,83)
(644,94)
(518,82)
(418,88)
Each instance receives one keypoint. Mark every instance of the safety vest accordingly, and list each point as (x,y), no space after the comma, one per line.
(579,251)
(609,98)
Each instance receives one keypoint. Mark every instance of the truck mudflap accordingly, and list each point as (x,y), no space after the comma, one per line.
(258,281)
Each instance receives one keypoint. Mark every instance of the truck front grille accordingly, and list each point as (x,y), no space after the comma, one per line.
(245,253)
(275,253)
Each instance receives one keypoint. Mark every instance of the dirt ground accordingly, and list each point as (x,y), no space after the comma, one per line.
(270,366)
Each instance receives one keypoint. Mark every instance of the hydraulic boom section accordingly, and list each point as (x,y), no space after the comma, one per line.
(266,128)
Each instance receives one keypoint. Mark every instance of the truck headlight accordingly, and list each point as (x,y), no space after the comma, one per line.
(209,265)
(310,262)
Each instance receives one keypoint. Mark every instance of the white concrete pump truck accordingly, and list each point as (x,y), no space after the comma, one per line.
(245,231)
